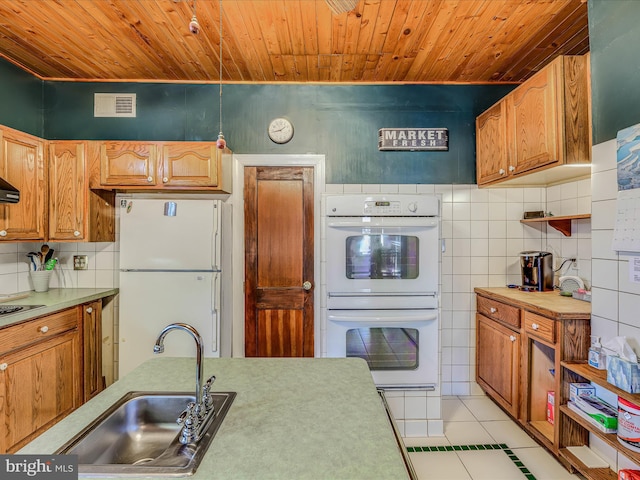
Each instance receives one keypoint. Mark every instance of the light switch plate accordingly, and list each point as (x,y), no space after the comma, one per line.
(80,262)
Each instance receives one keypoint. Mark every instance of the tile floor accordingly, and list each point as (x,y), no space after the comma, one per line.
(485,444)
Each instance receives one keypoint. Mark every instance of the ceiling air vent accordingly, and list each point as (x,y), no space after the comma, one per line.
(114,105)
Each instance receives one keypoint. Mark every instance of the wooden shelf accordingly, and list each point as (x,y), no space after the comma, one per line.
(562,224)
(590,473)
(599,377)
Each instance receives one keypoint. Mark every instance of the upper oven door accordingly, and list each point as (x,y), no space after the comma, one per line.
(382,255)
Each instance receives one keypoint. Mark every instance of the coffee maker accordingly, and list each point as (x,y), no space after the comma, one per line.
(537,270)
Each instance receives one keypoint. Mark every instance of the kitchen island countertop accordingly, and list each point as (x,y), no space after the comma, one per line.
(54,300)
(550,304)
(315,418)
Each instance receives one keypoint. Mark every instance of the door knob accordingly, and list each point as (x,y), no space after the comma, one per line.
(307,285)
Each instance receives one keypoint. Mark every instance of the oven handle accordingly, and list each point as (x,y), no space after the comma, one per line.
(372,318)
(414,222)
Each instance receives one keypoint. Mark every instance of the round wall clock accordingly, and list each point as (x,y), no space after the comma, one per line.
(280,130)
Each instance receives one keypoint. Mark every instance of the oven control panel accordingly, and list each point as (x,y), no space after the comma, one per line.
(384,205)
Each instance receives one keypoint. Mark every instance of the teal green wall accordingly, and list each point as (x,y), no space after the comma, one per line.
(341,122)
(20,100)
(614,32)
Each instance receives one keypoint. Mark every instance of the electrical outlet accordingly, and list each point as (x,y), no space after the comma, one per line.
(80,262)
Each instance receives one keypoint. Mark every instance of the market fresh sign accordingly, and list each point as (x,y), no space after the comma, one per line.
(414,139)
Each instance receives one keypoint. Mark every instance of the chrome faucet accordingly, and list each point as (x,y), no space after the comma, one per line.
(198,414)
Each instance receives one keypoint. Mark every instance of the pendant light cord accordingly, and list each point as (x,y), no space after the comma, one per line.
(220,58)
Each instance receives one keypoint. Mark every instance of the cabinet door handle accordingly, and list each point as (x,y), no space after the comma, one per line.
(535,326)
(493,309)
(149,179)
(3,366)
(511,168)
(501,171)
(165,179)
(89,310)
(44,329)
(3,233)
(512,338)
(76,233)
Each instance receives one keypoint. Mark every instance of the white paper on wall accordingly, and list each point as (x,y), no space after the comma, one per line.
(626,235)
(634,269)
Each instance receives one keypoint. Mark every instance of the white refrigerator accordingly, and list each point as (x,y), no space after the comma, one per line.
(170,271)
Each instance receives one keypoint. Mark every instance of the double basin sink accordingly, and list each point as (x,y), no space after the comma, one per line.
(139,436)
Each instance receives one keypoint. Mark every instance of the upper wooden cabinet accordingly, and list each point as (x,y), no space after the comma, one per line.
(183,166)
(75,212)
(22,165)
(538,129)
(492,153)
(190,164)
(128,163)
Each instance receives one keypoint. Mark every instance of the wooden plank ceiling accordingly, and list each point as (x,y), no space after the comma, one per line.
(379,41)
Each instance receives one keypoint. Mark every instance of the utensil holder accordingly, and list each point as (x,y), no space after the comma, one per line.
(40,280)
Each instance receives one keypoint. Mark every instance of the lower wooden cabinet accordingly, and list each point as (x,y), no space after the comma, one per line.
(522,341)
(40,376)
(92,351)
(49,366)
(498,362)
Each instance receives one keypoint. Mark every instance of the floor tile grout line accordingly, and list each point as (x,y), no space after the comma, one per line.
(477,447)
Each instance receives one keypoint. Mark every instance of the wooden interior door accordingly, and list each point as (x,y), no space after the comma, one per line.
(279,274)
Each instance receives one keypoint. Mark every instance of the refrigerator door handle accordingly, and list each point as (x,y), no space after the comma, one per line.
(215,254)
(215,298)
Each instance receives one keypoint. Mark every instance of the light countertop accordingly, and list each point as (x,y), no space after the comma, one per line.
(54,300)
(550,304)
(315,418)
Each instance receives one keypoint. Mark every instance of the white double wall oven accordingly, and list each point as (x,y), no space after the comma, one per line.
(383,255)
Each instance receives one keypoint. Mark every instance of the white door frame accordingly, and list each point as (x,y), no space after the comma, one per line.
(237,199)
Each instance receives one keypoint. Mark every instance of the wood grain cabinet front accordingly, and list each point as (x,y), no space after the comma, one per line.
(92,348)
(22,165)
(77,213)
(498,362)
(40,376)
(542,124)
(163,166)
(128,164)
(519,364)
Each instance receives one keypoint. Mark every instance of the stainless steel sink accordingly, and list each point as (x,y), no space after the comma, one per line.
(138,436)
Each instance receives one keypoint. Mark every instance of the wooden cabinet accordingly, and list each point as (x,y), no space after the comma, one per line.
(542,124)
(40,376)
(92,348)
(190,164)
(22,165)
(128,164)
(498,362)
(522,339)
(75,212)
(181,166)
(492,154)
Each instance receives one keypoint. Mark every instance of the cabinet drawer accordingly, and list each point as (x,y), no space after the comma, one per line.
(499,311)
(541,327)
(36,330)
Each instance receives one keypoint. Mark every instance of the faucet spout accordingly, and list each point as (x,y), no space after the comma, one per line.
(159,348)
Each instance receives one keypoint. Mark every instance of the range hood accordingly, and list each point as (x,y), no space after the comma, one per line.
(8,193)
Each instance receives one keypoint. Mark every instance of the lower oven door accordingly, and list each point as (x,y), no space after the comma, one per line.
(400,346)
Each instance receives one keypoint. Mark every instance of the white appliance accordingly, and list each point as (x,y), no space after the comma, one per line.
(170,271)
(383,278)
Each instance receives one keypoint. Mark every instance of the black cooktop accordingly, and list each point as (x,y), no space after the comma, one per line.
(7,309)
